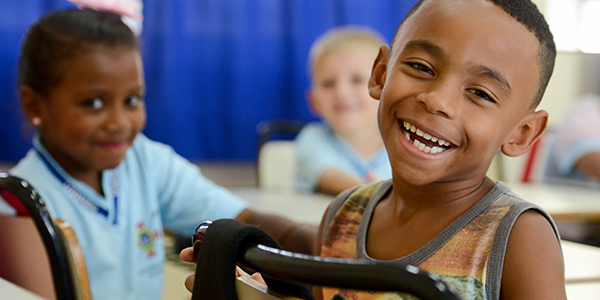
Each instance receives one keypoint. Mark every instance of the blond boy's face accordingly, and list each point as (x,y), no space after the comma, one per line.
(457,85)
(339,93)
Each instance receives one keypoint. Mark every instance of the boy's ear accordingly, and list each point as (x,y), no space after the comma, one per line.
(31,102)
(379,72)
(526,135)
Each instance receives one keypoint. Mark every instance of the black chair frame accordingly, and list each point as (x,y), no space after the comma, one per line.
(58,256)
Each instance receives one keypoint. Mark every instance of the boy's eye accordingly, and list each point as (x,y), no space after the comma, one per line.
(133,100)
(420,67)
(94,103)
(328,83)
(357,79)
(481,94)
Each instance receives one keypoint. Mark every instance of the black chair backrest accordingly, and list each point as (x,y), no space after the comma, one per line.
(277,129)
(21,195)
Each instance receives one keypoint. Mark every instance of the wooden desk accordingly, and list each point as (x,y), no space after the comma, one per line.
(303,208)
(582,263)
(9,290)
(582,271)
(562,202)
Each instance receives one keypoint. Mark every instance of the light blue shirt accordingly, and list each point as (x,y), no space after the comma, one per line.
(318,149)
(121,233)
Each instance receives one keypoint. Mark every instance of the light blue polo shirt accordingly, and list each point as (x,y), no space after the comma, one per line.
(121,233)
(318,149)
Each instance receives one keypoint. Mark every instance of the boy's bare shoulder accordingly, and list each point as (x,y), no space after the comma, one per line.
(533,266)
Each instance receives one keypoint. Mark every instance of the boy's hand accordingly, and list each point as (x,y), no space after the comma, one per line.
(256,276)
(187,255)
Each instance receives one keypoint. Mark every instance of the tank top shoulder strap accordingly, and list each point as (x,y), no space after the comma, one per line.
(500,243)
(361,193)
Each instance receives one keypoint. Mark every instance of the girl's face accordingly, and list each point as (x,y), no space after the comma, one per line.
(340,94)
(89,120)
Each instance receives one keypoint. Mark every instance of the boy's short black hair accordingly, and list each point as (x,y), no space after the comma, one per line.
(526,13)
(62,35)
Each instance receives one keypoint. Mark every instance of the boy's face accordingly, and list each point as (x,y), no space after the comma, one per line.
(340,94)
(462,75)
(92,116)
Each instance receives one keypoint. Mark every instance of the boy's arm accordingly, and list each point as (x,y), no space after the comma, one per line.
(590,164)
(333,181)
(533,266)
(291,236)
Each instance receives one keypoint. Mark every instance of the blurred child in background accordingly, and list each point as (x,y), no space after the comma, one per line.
(82,87)
(575,151)
(345,149)
(574,159)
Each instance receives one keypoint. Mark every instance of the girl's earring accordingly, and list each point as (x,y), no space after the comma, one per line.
(36,121)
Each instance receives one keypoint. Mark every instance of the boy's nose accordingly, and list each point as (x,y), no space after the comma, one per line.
(343,91)
(441,100)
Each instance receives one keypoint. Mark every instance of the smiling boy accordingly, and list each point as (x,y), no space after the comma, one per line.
(460,81)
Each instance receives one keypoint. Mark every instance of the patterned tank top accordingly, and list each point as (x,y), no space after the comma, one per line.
(468,254)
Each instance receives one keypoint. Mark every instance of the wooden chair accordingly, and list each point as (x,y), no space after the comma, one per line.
(39,253)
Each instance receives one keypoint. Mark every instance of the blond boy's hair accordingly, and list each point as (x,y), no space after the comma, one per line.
(341,37)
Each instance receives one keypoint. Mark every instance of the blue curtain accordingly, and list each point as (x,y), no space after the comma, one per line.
(214,68)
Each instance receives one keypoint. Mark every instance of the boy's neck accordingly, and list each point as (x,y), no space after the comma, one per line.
(455,194)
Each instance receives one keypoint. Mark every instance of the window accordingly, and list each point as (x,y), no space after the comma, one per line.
(575,24)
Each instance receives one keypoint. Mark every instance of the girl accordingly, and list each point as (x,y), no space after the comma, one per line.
(82,87)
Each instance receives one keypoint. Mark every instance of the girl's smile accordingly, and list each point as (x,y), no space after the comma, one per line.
(92,116)
(113,146)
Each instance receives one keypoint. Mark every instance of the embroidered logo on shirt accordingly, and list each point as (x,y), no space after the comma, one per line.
(146,239)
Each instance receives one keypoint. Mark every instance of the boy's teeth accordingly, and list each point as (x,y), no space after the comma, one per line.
(419,132)
(427,136)
(427,149)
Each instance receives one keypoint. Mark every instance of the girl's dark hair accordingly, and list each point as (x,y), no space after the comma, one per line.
(62,35)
